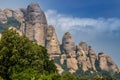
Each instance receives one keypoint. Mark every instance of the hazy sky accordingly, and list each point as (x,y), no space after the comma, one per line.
(96,22)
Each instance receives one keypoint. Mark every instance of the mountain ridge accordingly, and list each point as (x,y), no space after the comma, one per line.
(34,26)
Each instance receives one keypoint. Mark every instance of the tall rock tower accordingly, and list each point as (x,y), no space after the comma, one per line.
(70,50)
(52,43)
(36,24)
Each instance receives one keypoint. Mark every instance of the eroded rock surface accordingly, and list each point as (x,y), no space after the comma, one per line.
(36,24)
(52,43)
(106,63)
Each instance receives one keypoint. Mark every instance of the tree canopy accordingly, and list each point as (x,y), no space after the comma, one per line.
(21,57)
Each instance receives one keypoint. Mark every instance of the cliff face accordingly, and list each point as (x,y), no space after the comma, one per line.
(106,63)
(70,57)
(36,24)
(52,43)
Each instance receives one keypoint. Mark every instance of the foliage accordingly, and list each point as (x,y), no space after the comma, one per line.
(21,57)
(11,21)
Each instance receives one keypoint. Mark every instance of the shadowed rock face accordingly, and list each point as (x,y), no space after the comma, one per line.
(3,18)
(35,14)
(52,43)
(92,57)
(36,24)
(106,63)
(19,15)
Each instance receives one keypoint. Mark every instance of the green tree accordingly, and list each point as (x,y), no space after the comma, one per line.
(20,56)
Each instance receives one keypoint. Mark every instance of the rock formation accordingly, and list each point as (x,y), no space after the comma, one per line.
(106,63)
(68,43)
(70,50)
(62,58)
(36,24)
(8,12)
(84,46)
(59,68)
(93,57)
(52,43)
(3,18)
(83,60)
(19,15)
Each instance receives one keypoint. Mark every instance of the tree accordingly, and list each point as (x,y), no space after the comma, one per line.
(20,55)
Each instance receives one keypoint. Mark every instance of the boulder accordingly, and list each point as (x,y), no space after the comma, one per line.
(72,65)
(59,68)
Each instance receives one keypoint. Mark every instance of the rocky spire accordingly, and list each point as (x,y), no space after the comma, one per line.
(52,43)
(82,57)
(84,46)
(67,43)
(36,24)
(70,50)
(106,63)
(93,57)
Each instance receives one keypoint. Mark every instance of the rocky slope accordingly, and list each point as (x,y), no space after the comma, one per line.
(70,57)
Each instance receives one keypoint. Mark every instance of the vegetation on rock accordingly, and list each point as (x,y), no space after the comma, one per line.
(11,21)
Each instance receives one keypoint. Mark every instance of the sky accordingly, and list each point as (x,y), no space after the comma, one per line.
(96,22)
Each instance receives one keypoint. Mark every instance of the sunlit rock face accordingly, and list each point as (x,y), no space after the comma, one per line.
(59,68)
(82,58)
(84,46)
(8,12)
(52,42)
(69,49)
(36,24)
(106,63)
